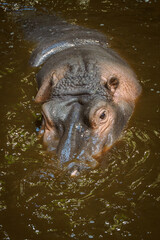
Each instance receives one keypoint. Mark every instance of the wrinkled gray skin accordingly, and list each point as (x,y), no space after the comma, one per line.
(87,91)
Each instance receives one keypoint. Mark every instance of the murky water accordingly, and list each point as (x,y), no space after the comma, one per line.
(121,199)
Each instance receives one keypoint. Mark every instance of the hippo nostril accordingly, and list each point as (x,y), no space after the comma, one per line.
(74,169)
(75,172)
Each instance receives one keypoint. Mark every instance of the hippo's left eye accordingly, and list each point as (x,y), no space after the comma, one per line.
(99,117)
(103,115)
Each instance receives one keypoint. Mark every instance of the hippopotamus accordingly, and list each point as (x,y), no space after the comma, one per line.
(87,91)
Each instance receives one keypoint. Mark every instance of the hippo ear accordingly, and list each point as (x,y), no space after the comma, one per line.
(111,83)
(48,83)
(44,92)
(122,83)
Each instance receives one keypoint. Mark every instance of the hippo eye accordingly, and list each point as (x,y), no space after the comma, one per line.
(103,115)
(100,117)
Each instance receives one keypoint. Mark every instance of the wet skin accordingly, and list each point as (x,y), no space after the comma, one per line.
(87,92)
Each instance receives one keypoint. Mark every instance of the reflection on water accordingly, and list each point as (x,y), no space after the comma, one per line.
(119,200)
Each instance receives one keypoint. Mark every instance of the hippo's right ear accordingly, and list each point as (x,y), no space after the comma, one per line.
(44,92)
(49,81)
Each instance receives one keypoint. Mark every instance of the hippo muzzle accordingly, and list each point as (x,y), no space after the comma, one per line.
(79,131)
(68,134)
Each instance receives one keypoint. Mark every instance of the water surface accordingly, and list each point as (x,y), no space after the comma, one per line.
(121,199)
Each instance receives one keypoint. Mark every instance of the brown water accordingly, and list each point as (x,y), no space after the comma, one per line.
(121,199)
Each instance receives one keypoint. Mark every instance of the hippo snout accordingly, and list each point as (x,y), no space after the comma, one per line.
(72,150)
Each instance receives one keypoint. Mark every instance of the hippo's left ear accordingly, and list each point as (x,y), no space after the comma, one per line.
(121,82)
(48,82)
(111,83)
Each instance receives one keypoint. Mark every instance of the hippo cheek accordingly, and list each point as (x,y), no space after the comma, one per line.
(103,144)
(50,140)
(82,163)
(97,145)
(90,152)
(103,132)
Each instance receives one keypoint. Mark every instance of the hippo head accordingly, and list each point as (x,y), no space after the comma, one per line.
(87,99)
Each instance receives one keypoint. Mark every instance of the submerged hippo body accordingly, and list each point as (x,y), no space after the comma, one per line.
(87,91)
